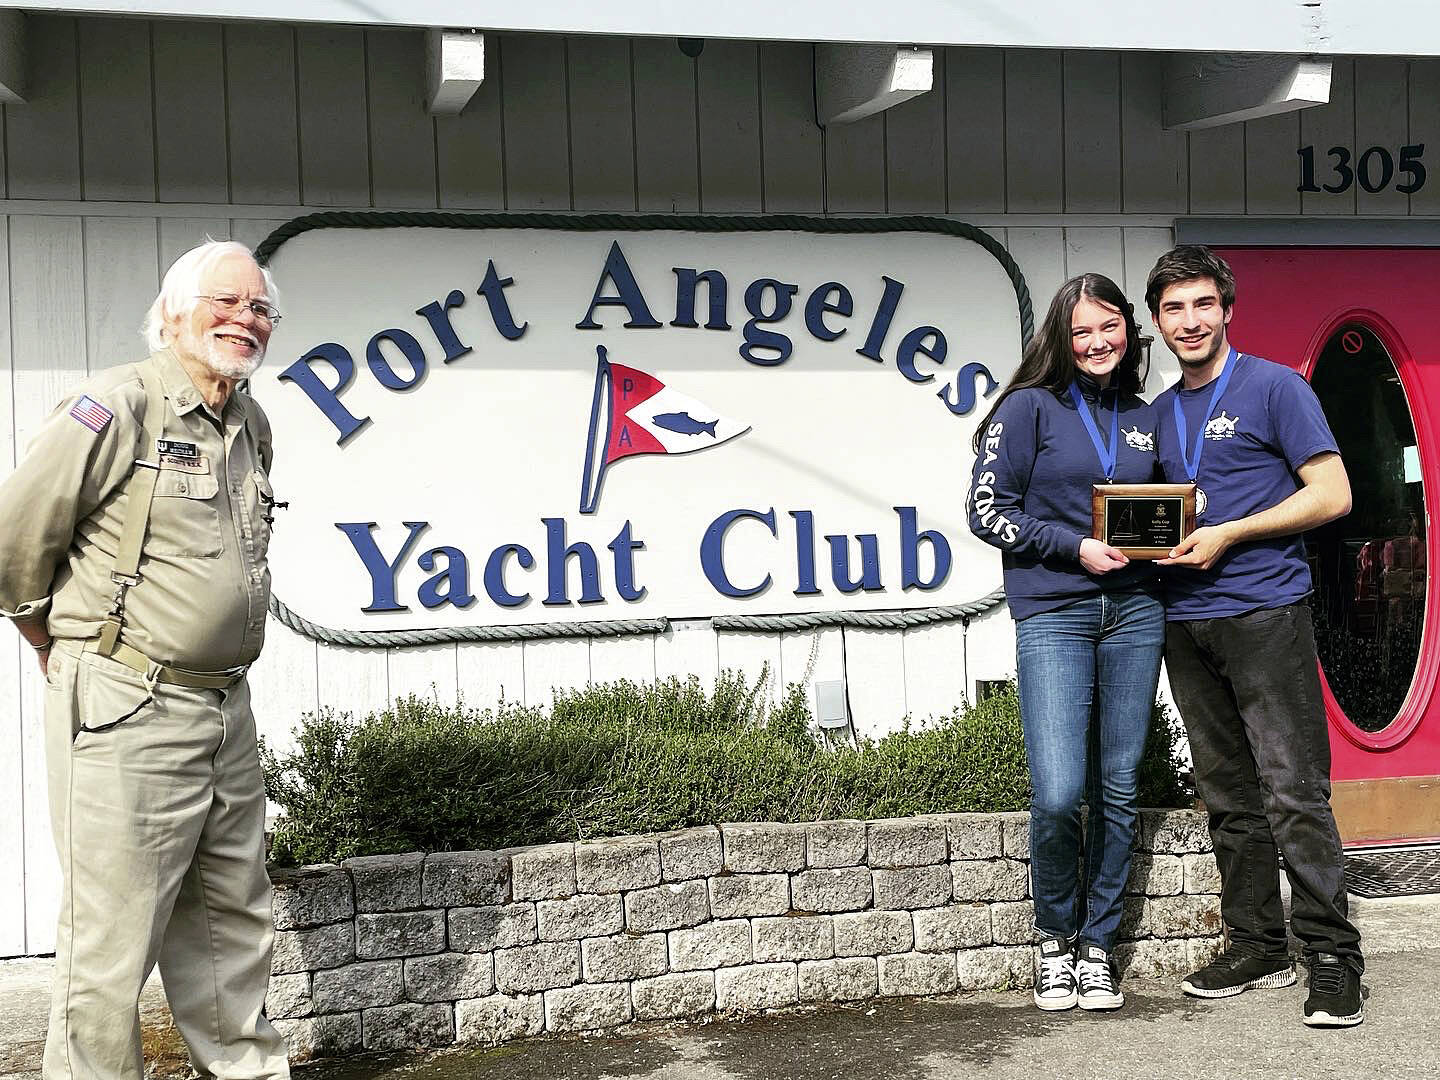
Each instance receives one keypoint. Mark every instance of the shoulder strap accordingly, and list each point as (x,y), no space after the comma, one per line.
(139,494)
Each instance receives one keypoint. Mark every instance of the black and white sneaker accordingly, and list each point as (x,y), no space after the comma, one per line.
(1096,979)
(1335,999)
(1233,973)
(1055,986)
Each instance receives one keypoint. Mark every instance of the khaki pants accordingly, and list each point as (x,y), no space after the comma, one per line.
(159,826)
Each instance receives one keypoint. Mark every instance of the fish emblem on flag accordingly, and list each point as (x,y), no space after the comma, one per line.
(633,412)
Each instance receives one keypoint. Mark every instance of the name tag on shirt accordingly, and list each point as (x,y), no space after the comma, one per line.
(176,449)
(198,464)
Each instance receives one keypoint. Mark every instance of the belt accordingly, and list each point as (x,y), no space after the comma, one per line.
(163,673)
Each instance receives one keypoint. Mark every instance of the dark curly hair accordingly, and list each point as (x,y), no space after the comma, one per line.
(1187,263)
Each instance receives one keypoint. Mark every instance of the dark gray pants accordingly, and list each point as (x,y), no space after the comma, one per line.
(1249,692)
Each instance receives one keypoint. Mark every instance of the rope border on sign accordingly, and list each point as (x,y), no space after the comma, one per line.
(877,620)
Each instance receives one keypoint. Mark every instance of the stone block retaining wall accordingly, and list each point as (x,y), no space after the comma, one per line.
(480,947)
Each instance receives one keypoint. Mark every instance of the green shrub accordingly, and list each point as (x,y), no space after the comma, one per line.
(1164,775)
(621,758)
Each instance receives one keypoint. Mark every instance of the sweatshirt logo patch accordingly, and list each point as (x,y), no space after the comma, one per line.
(91,413)
(1139,440)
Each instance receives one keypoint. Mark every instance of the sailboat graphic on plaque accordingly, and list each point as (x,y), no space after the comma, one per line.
(1143,520)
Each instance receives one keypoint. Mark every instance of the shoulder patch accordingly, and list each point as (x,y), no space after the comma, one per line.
(91,413)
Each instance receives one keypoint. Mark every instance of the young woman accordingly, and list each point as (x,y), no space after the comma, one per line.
(1088,624)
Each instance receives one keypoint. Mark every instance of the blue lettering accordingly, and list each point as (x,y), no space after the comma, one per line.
(557,558)
(965,389)
(384,373)
(624,548)
(493,290)
(715,289)
(910,540)
(627,294)
(916,342)
(327,398)
(820,304)
(869,562)
(437,314)
(804,553)
(884,315)
(712,551)
(755,338)
(455,575)
(495,574)
(382,571)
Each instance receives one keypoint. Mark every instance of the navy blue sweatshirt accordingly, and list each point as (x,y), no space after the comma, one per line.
(1030,492)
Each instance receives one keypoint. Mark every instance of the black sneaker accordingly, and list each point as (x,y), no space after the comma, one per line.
(1055,986)
(1233,973)
(1097,979)
(1334,999)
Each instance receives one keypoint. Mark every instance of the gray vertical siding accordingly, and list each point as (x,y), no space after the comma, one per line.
(201,126)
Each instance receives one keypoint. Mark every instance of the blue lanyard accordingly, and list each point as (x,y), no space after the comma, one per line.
(1106,454)
(1192,462)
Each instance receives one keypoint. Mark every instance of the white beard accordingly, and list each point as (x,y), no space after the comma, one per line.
(227,367)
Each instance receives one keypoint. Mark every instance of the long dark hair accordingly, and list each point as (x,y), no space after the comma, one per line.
(1049,362)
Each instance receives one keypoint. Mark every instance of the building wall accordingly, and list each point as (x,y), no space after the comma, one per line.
(143,137)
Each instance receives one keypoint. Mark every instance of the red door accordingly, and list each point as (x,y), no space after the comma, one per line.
(1358,323)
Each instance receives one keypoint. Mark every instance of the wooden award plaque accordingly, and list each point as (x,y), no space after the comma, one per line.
(1145,521)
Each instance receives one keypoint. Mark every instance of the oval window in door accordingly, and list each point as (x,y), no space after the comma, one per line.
(1369,567)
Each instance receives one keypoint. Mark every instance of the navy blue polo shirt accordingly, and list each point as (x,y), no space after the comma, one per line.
(1267,424)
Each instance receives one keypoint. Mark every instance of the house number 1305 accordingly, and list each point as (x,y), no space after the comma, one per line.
(1375,169)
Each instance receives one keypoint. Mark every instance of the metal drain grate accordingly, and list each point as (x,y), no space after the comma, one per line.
(1393,871)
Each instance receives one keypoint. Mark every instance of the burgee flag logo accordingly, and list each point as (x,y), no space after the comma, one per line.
(633,412)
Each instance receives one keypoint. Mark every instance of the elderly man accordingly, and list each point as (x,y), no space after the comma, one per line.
(133,544)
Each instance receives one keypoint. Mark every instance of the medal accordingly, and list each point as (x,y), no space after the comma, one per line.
(1192,461)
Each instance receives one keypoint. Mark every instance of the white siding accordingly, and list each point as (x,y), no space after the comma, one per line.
(192,158)
(187,129)
(561,664)
(284,684)
(602,128)
(117,114)
(12,721)
(265,131)
(427,671)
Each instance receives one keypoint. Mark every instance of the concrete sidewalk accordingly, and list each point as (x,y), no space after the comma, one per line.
(1158,1035)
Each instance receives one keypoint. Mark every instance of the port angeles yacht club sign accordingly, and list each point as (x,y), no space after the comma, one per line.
(490,425)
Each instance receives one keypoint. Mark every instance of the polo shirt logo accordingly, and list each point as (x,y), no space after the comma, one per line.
(1222,427)
(1144,441)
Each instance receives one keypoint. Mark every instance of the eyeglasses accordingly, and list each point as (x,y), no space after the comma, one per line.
(228,305)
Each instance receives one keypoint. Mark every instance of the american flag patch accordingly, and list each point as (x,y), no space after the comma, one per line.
(91,413)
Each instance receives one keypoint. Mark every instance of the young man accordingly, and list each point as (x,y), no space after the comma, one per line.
(1239,646)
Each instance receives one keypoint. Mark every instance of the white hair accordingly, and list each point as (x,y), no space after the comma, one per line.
(179,292)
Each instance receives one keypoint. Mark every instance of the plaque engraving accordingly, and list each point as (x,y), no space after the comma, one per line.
(1143,520)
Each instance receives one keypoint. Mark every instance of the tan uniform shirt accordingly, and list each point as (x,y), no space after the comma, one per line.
(205,582)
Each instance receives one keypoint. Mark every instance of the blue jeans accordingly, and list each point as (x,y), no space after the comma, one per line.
(1087,685)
